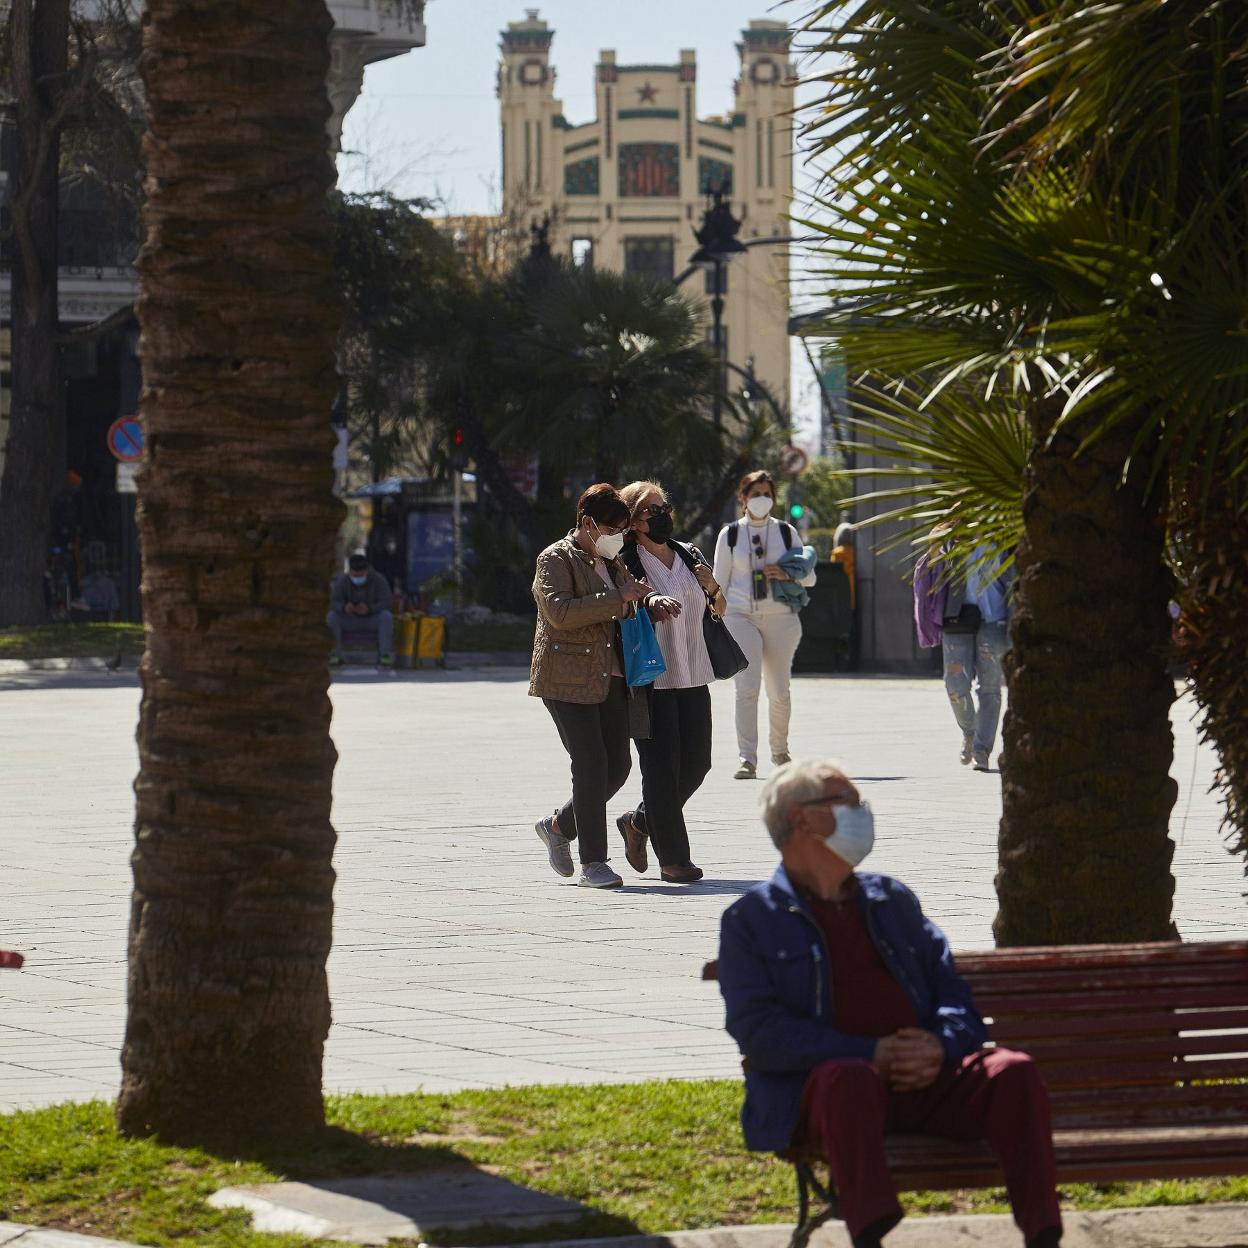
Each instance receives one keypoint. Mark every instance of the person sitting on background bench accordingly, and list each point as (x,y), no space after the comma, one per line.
(853,1022)
(361,598)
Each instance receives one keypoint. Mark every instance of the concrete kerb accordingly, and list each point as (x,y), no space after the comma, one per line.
(1179,1226)
(16,667)
(456,660)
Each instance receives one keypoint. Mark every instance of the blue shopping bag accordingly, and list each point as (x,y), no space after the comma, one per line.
(643,660)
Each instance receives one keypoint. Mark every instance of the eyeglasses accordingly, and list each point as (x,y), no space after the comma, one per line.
(758,545)
(654,509)
(831,801)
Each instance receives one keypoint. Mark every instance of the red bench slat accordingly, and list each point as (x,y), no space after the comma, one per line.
(1037,1029)
(1084,985)
(997,1007)
(1162,1049)
(1074,957)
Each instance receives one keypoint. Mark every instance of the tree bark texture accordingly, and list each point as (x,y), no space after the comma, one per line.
(1211,541)
(34,455)
(1084,852)
(232,908)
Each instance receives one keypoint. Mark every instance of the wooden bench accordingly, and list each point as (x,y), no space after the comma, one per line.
(1144,1049)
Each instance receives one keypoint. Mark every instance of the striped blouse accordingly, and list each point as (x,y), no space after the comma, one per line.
(681,640)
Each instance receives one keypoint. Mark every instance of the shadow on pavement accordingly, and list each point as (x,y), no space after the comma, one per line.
(724,888)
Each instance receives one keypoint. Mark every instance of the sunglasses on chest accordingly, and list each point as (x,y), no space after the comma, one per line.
(758,580)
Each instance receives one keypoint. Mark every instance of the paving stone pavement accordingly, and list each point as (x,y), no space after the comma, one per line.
(460,959)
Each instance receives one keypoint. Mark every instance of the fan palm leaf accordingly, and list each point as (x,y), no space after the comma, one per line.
(957,461)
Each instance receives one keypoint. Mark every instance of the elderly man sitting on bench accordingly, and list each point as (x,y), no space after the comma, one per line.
(853,1022)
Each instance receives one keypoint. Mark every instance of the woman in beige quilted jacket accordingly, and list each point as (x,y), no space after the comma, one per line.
(581,590)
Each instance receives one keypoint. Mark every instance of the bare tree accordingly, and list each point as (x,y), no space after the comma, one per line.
(66,75)
(38,45)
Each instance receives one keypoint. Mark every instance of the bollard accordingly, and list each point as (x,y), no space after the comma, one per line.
(409,627)
(431,643)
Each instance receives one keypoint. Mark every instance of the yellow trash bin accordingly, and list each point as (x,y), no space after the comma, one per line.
(404,652)
(431,639)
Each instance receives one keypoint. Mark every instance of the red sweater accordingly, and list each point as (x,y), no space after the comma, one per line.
(866,999)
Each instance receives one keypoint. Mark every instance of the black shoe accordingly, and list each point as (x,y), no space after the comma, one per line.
(1050,1237)
(873,1235)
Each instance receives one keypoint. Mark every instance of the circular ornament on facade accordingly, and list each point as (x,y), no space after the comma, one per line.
(532,72)
(764,71)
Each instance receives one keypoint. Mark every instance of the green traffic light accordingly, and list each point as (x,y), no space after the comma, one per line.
(796,511)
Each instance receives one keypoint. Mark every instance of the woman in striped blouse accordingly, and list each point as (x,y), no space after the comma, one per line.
(677,757)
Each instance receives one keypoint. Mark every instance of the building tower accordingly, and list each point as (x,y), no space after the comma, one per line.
(627,189)
(527,109)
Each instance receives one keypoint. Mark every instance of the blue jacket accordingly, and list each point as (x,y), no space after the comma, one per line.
(798,562)
(774,975)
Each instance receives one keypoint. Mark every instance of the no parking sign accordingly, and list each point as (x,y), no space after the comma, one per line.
(125,439)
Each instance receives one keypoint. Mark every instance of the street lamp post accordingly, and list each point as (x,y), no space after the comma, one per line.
(717,244)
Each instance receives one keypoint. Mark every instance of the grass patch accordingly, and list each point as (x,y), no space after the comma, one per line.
(71,641)
(644,1157)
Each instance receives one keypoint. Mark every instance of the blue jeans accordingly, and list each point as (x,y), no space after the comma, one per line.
(976,656)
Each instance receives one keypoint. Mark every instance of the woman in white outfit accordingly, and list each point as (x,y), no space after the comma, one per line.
(747,556)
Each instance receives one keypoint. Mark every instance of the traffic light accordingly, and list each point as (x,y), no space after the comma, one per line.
(458,456)
(796,511)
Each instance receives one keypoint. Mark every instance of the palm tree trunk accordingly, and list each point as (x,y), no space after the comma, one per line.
(1084,853)
(1211,539)
(232,909)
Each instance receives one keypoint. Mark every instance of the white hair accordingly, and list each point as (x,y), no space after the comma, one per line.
(787,786)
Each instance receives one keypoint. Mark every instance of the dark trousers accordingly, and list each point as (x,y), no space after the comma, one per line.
(674,762)
(995,1095)
(595,736)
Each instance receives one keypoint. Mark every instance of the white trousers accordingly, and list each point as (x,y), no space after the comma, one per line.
(769,642)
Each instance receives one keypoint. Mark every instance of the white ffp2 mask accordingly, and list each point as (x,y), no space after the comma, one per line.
(608,545)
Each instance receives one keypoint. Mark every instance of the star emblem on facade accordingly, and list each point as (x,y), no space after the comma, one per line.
(647,94)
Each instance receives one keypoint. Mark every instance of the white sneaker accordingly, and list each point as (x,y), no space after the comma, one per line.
(598,875)
(745,770)
(557,845)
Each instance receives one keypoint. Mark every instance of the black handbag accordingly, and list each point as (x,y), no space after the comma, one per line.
(727,658)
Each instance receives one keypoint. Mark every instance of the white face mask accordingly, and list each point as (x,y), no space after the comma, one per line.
(759,506)
(608,545)
(854,835)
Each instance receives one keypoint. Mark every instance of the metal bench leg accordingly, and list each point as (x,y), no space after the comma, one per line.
(806,1224)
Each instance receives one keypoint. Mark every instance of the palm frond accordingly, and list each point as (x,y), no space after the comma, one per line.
(956,461)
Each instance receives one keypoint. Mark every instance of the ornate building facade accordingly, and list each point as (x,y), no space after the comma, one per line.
(627,189)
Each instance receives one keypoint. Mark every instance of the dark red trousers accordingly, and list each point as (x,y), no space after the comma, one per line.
(995,1095)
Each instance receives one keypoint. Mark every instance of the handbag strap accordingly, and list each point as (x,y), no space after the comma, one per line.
(692,559)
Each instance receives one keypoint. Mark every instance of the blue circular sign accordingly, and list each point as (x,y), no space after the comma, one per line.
(125,439)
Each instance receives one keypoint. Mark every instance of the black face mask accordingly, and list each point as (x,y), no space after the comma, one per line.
(660,527)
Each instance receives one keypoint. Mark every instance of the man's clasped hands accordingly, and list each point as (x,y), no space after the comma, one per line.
(909,1059)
